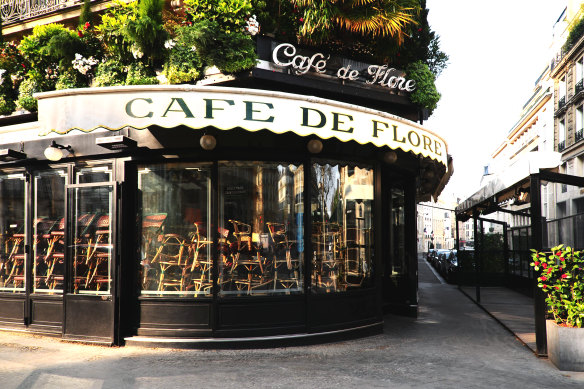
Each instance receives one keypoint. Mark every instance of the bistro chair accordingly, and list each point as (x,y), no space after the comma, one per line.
(15,260)
(55,255)
(326,238)
(98,255)
(172,261)
(152,233)
(83,244)
(247,260)
(285,267)
(200,272)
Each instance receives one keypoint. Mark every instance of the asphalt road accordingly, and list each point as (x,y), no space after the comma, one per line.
(452,344)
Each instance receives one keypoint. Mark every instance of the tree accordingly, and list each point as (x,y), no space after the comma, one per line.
(330,19)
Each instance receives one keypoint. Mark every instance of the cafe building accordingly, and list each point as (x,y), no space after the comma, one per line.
(279,204)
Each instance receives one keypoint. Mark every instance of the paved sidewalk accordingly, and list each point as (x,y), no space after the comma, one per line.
(514,310)
(452,344)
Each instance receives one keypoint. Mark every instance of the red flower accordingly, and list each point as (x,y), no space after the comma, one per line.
(564,275)
(301,20)
(561,258)
(80,34)
(543,278)
(559,253)
(549,270)
(87,25)
(561,268)
(536,263)
(544,265)
(557,288)
(420,29)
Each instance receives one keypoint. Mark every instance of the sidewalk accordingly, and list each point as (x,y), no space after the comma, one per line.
(452,344)
(512,309)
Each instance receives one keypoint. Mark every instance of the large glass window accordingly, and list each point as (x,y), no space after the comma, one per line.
(12,223)
(90,226)
(261,235)
(342,227)
(49,230)
(176,234)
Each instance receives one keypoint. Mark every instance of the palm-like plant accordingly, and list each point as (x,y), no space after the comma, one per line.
(323,19)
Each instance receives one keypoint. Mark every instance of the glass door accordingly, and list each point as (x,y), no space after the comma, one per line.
(91,259)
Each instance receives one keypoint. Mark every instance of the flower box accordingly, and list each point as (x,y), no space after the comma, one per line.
(565,346)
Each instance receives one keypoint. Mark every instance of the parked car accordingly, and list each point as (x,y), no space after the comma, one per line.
(440,254)
(430,255)
(450,267)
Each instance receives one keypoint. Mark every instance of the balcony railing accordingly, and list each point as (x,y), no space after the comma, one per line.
(579,135)
(14,11)
(562,102)
(579,87)
(562,145)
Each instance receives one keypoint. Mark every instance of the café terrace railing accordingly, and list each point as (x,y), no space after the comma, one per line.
(15,11)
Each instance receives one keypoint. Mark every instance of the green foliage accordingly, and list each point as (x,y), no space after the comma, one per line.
(47,43)
(111,29)
(183,63)
(421,44)
(7,105)
(231,52)
(138,74)
(134,31)
(110,73)
(425,93)
(230,14)
(561,277)
(25,99)
(70,79)
(576,32)
(85,16)
(145,30)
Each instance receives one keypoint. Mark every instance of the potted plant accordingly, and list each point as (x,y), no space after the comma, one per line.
(561,277)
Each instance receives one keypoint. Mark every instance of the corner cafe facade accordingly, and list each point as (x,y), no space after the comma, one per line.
(193,215)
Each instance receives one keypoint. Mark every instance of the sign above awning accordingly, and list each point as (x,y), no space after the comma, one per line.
(114,108)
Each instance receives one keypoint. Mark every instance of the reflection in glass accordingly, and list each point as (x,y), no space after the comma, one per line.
(49,231)
(12,223)
(91,239)
(397,238)
(175,248)
(261,235)
(342,227)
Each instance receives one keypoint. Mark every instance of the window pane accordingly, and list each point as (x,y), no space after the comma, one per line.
(342,227)
(175,240)
(86,175)
(91,239)
(49,231)
(12,222)
(397,238)
(261,228)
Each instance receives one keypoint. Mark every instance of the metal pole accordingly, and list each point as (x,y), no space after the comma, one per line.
(539,304)
(477,256)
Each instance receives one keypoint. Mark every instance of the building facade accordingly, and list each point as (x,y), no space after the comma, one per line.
(254,206)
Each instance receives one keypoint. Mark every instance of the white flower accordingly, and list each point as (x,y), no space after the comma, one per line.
(136,52)
(2,71)
(193,48)
(169,44)
(252,25)
(83,65)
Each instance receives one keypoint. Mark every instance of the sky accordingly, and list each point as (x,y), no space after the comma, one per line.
(497,50)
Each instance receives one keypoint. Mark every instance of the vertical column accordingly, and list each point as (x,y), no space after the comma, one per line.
(537,242)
